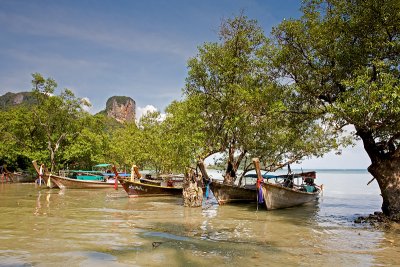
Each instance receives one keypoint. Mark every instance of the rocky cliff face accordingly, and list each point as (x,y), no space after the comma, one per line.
(121,108)
(13,99)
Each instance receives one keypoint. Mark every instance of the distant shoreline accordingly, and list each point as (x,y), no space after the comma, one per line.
(308,169)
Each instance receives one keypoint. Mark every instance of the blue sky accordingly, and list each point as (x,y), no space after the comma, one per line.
(104,48)
(99,49)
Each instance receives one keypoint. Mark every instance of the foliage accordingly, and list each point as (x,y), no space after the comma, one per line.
(344,57)
(154,153)
(222,77)
(58,117)
(184,136)
(142,145)
(125,145)
(54,130)
(90,146)
(20,139)
(246,111)
(164,145)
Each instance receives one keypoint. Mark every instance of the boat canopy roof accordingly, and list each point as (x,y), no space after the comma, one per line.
(102,165)
(265,176)
(311,175)
(85,171)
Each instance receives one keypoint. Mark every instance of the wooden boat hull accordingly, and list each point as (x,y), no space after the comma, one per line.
(138,189)
(275,196)
(231,193)
(279,197)
(68,183)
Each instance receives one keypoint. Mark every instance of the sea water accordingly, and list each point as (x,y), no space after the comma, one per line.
(52,227)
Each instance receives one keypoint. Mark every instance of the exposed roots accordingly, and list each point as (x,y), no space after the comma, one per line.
(380,221)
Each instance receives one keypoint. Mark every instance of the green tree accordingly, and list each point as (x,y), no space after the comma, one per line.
(164,144)
(91,146)
(19,141)
(152,143)
(343,57)
(58,118)
(126,146)
(183,134)
(245,110)
(222,76)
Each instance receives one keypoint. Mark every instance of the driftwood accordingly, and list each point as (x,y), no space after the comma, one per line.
(192,189)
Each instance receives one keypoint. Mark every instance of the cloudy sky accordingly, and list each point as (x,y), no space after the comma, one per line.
(136,48)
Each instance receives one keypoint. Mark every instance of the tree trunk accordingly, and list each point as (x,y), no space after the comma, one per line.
(385,168)
(192,190)
(52,160)
(233,166)
(387,174)
(230,174)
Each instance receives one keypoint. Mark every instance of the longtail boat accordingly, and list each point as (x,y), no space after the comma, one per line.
(99,172)
(232,193)
(279,197)
(70,183)
(286,194)
(224,193)
(275,191)
(170,185)
(84,182)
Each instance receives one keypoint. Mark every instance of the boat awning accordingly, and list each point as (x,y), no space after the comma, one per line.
(102,165)
(265,176)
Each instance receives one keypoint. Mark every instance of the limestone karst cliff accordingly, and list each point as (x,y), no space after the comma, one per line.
(121,108)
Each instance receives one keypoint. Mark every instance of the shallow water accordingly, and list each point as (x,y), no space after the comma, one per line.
(50,227)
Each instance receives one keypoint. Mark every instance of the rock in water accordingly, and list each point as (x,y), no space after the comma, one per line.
(192,190)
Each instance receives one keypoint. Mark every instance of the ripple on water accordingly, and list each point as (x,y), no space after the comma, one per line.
(90,228)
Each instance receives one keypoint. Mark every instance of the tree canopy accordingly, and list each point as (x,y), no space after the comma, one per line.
(245,109)
(343,58)
(58,117)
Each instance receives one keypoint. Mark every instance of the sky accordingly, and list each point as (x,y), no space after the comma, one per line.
(135,48)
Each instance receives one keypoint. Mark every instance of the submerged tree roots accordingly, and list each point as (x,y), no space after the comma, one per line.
(380,221)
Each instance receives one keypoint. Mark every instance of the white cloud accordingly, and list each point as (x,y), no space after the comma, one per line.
(143,111)
(140,112)
(86,107)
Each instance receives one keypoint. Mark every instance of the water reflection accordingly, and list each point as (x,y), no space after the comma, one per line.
(38,205)
(48,200)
